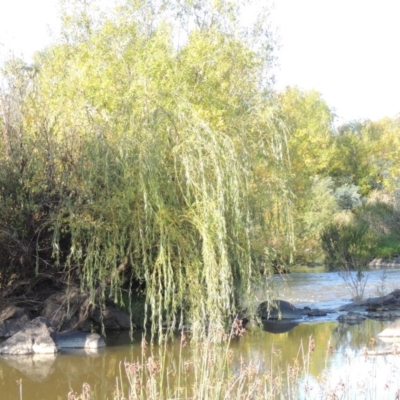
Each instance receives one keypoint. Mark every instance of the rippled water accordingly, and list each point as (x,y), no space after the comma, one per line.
(328,289)
(53,377)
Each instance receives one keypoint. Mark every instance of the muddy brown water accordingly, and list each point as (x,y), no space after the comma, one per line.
(53,377)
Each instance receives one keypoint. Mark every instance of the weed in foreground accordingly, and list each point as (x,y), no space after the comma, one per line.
(212,370)
(209,370)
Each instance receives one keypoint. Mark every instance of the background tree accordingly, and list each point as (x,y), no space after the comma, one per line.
(308,121)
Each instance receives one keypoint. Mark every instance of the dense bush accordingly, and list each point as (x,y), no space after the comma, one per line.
(371,232)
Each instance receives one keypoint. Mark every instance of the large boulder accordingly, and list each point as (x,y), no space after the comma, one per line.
(278,310)
(33,338)
(61,308)
(12,320)
(64,311)
(36,337)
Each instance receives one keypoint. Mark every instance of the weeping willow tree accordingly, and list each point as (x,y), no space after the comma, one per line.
(133,160)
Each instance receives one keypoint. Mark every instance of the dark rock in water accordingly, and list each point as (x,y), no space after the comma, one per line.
(384,315)
(78,340)
(376,308)
(390,300)
(113,319)
(279,326)
(317,313)
(278,310)
(34,337)
(352,318)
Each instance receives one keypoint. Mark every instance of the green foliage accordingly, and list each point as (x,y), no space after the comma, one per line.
(135,165)
(373,231)
(144,155)
(317,213)
(366,155)
(382,217)
(348,197)
(308,121)
(347,245)
(388,246)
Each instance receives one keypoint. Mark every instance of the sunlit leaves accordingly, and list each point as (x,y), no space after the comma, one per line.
(151,155)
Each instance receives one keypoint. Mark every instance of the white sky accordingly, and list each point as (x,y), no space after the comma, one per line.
(348,50)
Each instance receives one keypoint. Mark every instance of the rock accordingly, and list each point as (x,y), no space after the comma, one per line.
(379,263)
(78,340)
(37,338)
(113,318)
(384,315)
(278,310)
(355,305)
(317,313)
(12,320)
(60,308)
(389,299)
(393,330)
(376,308)
(372,302)
(352,318)
(34,337)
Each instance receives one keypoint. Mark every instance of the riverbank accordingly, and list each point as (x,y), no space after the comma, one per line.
(64,307)
(382,263)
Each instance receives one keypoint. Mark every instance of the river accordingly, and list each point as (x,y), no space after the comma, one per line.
(41,378)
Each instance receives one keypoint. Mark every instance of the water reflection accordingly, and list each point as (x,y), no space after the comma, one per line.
(279,326)
(333,346)
(36,367)
(279,350)
(269,351)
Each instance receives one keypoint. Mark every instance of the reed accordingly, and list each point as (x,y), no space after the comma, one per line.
(211,370)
